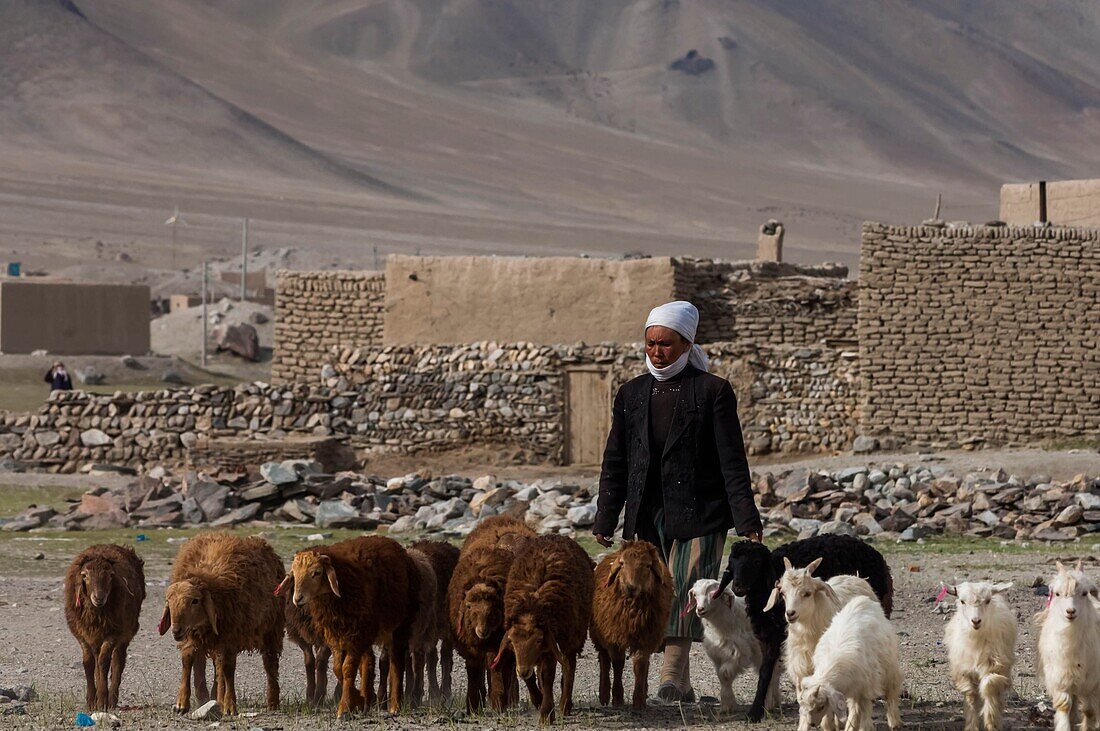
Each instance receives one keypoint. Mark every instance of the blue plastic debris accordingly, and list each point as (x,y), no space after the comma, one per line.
(83,719)
(141,537)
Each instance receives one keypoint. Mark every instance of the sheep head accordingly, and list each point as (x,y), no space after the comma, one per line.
(531,640)
(313,575)
(749,568)
(638,571)
(483,609)
(1071,594)
(815,700)
(188,610)
(974,598)
(799,589)
(95,581)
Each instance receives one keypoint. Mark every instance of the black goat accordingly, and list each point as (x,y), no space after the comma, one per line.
(752,573)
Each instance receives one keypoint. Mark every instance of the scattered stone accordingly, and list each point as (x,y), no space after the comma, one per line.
(864,445)
(89,376)
(278,473)
(210,711)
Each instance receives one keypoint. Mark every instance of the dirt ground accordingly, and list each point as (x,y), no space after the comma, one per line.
(35,648)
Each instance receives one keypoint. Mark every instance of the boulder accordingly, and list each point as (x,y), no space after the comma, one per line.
(89,376)
(241,340)
(242,514)
(864,445)
(278,473)
(338,514)
(581,516)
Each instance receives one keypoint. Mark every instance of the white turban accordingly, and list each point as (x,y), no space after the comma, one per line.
(682,317)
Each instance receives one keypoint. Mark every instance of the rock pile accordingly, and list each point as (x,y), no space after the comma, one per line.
(917,501)
(903,501)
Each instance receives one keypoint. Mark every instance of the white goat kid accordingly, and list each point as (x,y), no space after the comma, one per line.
(1068,659)
(728,638)
(855,662)
(811,604)
(981,649)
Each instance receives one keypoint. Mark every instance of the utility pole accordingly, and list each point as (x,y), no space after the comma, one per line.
(205,320)
(939,201)
(244,257)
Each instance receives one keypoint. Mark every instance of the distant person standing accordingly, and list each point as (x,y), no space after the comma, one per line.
(58,377)
(675,461)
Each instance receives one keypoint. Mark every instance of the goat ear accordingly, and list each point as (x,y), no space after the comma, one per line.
(772,600)
(165,620)
(950,589)
(1060,566)
(1080,565)
(615,568)
(787,563)
(838,705)
(211,613)
(814,564)
(1005,586)
(330,574)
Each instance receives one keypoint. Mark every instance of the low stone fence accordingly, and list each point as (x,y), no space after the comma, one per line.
(407,399)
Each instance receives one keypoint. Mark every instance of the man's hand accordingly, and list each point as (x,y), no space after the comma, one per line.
(602,540)
(756,536)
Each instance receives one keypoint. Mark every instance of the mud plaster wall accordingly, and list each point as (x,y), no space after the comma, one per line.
(73,318)
(1069,203)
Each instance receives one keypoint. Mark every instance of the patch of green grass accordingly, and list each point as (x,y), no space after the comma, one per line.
(961,545)
(1061,445)
(14,498)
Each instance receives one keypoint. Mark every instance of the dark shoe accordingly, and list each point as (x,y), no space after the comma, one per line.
(669,693)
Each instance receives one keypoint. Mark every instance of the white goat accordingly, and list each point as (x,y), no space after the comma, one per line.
(1068,659)
(981,649)
(811,604)
(855,662)
(728,638)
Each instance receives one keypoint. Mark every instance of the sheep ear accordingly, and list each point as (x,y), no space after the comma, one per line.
(615,568)
(165,620)
(500,651)
(772,600)
(283,583)
(556,649)
(330,574)
(814,564)
(1005,586)
(211,614)
(787,564)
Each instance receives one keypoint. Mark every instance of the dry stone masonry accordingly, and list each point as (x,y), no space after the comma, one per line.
(405,399)
(985,333)
(317,311)
(767,302)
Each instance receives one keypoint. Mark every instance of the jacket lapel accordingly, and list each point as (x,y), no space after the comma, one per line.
(685,410)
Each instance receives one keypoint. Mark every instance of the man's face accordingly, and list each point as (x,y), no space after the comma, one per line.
(664,345)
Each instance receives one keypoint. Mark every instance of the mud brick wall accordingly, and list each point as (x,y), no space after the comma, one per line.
(971,334)
(768,303)
(317,311)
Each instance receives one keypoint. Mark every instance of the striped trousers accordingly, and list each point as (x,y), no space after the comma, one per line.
(687,561)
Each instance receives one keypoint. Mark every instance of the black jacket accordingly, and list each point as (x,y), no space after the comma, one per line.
(704,473)
(59,381)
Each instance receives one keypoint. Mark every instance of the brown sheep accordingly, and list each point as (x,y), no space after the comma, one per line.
(475,603)
(302,632)
(629,613)
(219,603)
(360,592)
(444,557)
(424,632)
(547,610)
(104,590)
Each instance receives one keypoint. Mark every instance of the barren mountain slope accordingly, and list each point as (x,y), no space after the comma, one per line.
(559,126)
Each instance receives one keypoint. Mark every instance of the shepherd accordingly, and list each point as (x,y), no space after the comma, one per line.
(675,459)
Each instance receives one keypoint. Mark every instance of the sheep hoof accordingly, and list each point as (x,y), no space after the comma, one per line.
(179,709)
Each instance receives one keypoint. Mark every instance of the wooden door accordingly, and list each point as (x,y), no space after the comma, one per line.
(588,414)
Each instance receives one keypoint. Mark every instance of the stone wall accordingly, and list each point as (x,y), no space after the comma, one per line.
(318,311)
(979,333)
(405,398)
(768,303)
